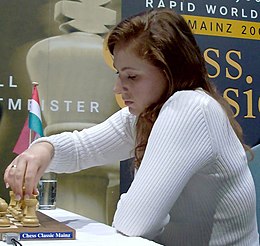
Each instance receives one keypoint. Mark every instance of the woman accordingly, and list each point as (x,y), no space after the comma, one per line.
(193,185)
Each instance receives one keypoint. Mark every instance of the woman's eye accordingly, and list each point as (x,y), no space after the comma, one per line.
(131,76)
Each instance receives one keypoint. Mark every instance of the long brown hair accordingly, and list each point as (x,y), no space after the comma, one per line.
(164,39)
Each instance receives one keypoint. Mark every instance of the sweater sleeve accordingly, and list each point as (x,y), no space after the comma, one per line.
(105,143)
(178,146)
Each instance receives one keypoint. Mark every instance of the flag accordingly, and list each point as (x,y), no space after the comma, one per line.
(23,141)
(35,120)
(33,125)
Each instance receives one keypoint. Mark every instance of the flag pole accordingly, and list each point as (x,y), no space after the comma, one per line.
(34,83)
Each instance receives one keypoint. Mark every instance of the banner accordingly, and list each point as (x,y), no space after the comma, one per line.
(228,34)
(58,44)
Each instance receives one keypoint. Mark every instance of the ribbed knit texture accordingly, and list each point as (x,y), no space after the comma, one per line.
(193,187)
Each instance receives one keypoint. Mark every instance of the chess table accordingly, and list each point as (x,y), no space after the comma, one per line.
(48,228)
(87,232)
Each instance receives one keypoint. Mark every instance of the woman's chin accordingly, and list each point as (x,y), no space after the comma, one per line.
(133,111)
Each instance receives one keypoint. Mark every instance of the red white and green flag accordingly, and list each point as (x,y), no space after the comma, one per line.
(35,120)
(32,128)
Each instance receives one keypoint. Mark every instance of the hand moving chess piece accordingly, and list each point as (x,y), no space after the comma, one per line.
(30,218)
(4,221)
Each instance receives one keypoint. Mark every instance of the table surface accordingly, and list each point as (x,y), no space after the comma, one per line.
(88,232)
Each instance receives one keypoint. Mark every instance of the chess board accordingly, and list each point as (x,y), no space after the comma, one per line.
(49,229)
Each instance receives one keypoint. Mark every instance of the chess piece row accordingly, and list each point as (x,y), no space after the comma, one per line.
(23,211)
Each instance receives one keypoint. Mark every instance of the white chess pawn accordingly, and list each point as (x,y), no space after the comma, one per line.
(4,221)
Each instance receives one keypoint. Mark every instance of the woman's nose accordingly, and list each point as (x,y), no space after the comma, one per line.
(118,87)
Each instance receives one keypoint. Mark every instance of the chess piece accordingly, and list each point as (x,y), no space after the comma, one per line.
(24,208)
(17,211)
(74,61)
(12,202)
(30,219)
(4,221)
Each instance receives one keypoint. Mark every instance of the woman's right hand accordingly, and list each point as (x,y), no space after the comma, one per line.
(25,171)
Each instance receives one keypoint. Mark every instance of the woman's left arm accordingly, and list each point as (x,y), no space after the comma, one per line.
(179,145)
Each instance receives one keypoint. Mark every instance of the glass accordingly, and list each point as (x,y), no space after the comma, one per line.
(47,194)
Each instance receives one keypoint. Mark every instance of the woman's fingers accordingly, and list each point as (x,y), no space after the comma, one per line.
(15,174)
(25,171)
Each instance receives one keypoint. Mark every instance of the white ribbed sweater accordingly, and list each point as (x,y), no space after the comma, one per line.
(193,187)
